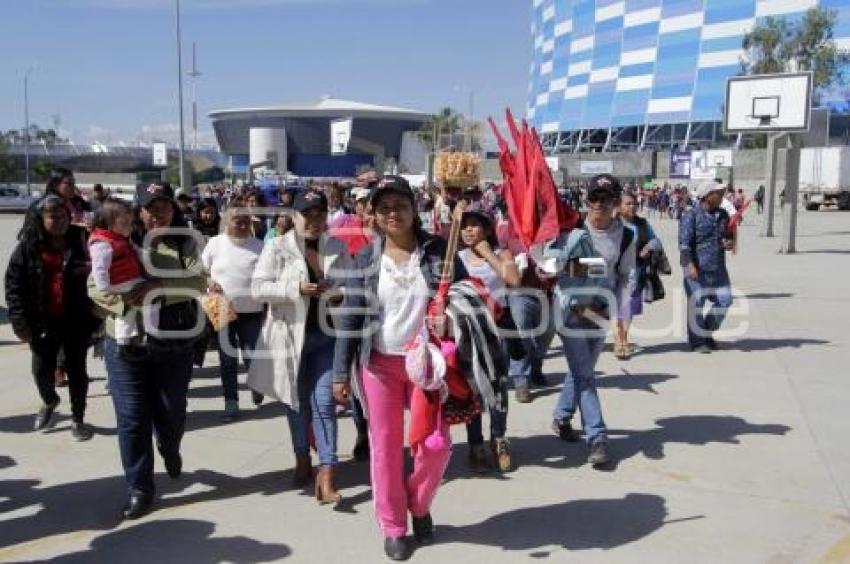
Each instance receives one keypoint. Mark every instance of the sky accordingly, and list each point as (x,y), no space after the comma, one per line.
(106,70)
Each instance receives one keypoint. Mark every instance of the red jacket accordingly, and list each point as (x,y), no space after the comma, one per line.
(126,265)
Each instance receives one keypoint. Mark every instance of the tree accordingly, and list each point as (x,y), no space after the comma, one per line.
(42,169)
(445,122)
(7,164)
(805,45)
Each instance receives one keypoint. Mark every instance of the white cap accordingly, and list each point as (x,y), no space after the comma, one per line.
(360,193)
(708,187)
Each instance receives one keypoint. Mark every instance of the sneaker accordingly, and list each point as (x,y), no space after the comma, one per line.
(702,349)
(44,415)
(231,411)
(80,431)
(564,430)
(478,462)
(598,454)
(501,454)
(522,395)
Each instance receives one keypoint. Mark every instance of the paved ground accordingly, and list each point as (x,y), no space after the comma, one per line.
(740,456)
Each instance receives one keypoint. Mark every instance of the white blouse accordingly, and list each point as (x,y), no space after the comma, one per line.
(403,296)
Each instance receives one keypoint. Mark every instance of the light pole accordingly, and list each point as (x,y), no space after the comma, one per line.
(183,184)
(27,127)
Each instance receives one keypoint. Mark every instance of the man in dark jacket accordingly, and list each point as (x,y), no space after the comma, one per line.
(703,242)
(48,305)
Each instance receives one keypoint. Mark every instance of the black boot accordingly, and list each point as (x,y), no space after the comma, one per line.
(423,529)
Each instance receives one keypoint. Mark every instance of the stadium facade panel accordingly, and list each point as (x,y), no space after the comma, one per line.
(601,64)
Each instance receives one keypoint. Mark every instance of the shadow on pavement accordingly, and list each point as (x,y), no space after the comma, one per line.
(198,420)
(746,345)
(94,505)
(573,525)
(685,429)
(769,296)
(549,451)
(59,423)
(637,382)
(175,540)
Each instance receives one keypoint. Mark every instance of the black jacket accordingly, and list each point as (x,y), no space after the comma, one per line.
(26,290)
(357,325)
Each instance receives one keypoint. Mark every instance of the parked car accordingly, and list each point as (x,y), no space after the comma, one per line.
(13,201)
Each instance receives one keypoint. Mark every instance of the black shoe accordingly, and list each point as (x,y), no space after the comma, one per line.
(423,529)
(702,349)
(80,431)
(564,430)
(361,448)
(598,454)
(173,465)
(397,548)
(257,398)
(539,380)
(712,344)
(137,506)
(44,415)
(522,395)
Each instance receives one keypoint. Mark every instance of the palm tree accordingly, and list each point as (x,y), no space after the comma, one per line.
(445,122)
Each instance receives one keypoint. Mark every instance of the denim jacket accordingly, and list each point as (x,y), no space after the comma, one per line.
(359,314)
(701,235)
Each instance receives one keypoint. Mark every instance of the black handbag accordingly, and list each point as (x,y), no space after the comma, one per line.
(653,291)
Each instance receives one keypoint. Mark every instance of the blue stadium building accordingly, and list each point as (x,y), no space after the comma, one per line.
(634,74)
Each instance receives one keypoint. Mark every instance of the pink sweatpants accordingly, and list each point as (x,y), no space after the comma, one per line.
(388,392)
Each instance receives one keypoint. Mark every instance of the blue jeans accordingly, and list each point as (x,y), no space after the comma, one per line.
(709,287)
(150,399)
(240,334)
(315,398)
(527,312)
(582,352)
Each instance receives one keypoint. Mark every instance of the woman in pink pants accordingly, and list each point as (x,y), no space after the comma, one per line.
(386,299)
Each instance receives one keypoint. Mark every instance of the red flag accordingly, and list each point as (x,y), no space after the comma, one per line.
(535,211)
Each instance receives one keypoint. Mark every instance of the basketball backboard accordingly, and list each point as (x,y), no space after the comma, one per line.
(768,102)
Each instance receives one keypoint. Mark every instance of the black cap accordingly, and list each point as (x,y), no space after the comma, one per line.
(603,187)
(306,200)
(147,194)
(387,184)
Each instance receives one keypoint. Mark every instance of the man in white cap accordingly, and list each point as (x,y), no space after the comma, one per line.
(703,242)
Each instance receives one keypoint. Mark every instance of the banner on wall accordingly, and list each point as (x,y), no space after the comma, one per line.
(160,154)
(680,164)
(340,136)
(701,167)
(596,167)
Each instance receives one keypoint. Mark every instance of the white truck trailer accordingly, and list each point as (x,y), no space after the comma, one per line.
(825,177)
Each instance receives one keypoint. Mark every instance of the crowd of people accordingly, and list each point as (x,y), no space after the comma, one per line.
(330,297)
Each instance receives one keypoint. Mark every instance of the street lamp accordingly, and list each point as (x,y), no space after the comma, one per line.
(183,184)
(27,126)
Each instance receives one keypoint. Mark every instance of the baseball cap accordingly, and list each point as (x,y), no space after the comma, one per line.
(708,187)
(391,183)
(603,187)
(360,193)
(306,200)
(147,194)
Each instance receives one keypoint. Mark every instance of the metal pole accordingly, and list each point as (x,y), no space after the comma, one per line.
(183,183)
(792,181)
(770,173)
(27,128)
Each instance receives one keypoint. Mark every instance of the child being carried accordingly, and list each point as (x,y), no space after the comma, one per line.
(117,269)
